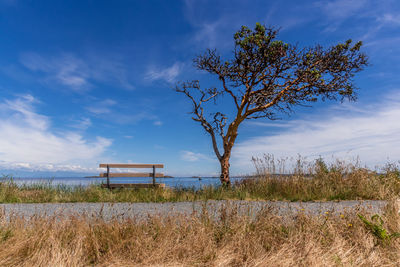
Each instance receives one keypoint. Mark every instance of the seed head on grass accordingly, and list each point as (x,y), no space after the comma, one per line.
(199,239)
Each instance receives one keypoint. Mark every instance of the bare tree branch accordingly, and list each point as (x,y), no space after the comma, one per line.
(265,77)
(198,110)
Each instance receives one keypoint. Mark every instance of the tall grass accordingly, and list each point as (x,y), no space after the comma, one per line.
(307,181)
(200,240)
(320,181)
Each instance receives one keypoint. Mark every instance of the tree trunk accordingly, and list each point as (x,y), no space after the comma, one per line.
(225,171)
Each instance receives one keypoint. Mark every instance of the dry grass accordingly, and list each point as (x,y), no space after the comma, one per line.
(199,240)
(320,181)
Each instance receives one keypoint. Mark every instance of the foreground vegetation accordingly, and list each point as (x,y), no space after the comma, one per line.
(202,240)
(308,181)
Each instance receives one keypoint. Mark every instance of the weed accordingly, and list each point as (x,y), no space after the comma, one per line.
(375,225)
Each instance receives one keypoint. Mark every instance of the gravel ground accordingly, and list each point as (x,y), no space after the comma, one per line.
(142,210)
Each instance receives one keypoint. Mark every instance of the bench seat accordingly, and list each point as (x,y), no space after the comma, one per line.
(130,185)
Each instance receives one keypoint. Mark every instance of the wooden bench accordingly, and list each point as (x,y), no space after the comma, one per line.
(152,174)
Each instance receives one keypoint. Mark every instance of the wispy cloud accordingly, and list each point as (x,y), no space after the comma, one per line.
(101,107)
(341,9)
(109,110)
(122,116)
(213,29)
(372,134)
(209,33)
(76,72)
(192,156)
(338,11)
(82,124)
(157,123)
(385,19)
(345,15)
(27,140)
(393,19)
(66,70)
(47,167)
(168,74)
(267,124)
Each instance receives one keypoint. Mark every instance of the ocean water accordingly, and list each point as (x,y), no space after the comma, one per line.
(184,182)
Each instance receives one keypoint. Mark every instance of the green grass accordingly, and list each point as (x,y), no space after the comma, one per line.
(313,182)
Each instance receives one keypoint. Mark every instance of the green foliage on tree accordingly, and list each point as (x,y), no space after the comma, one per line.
(266,76)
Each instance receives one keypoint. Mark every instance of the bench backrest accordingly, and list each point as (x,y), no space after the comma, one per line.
(152,174)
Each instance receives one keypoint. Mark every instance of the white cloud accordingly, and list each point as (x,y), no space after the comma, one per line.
(214,29)
(209,33)
(101,107)
(66,70)
(22,111)
(373,15)
(372,134)
(48,167)
(383,20)
(167,74)
(390,19)
(108,110)
(27,140)
(82,124)
(192,156)
(111,70)
(267,124)
(337,11)
(341,9)
(76,72)
(157,123)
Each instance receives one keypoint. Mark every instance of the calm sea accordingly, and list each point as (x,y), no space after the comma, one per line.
(187,182)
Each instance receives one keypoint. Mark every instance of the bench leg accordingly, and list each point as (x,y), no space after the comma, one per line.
(154,175)
(108,177)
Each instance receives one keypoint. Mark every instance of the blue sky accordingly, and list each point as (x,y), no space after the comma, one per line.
(85,82)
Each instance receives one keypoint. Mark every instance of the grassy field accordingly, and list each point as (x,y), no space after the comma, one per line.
(315,181)
(230,240)
(348,239)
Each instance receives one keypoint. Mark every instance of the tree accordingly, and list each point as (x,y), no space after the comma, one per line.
(265,77)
